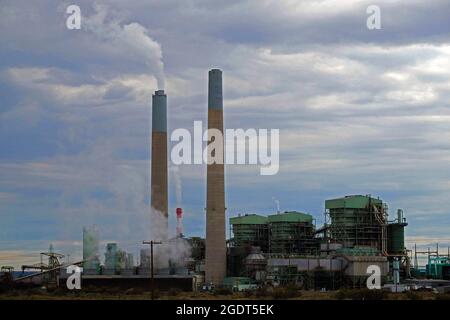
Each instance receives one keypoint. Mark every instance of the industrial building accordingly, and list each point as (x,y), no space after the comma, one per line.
(250,230)
(120,271)
(292,233)
(286,233)
(357,233)
(357,221)
(437,265)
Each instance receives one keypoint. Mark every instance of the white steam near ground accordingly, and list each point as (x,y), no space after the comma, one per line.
(178,186)
(175,250)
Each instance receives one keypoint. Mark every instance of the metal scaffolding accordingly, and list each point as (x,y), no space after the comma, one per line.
(250,230)
(292,237)
(286,233)
(358,221)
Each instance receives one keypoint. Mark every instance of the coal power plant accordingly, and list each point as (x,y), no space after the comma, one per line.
(287,248)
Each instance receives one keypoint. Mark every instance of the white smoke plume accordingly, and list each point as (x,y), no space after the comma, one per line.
(158,225)
(132,39)
(277,203)
(175,250)
(178,185)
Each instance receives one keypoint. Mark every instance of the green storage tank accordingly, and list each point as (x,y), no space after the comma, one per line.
(396,238)
(250,230)
(291,232)
(396,235)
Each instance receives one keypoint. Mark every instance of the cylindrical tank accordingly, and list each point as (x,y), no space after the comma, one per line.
(91,261)
(396,240)
(255,263)
(111,258)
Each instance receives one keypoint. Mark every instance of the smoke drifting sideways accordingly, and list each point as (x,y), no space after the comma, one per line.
(174,251)
(130,41)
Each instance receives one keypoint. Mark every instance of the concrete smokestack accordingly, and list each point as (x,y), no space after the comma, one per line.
(159,199)
(215,264)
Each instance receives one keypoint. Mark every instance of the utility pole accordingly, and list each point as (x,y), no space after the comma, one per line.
(151,243)
(416,264)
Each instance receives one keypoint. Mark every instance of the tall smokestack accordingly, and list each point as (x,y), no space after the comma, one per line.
(215,264)
(159,198)
(179,222)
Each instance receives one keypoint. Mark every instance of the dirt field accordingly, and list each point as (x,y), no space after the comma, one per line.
(37,294)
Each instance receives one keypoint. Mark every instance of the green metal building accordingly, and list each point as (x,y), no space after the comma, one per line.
(289,233)
(250,230)
(438,267)
(292,232)
(357,221)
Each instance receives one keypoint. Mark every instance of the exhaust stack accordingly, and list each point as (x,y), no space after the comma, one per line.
(179,222)
(159,198)
(215,264)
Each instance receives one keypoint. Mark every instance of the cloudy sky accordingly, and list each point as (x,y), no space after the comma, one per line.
(359,111)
